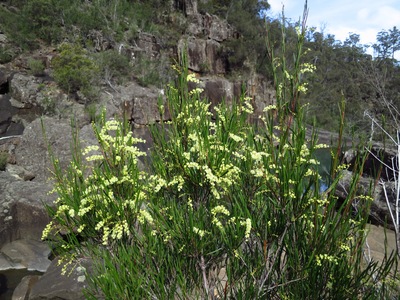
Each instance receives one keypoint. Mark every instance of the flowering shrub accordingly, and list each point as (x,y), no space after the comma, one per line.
(224,209)
(100,194)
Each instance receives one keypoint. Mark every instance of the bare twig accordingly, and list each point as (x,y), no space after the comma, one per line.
(381,161)
(283,284)
(380,127)
(367,257)
(393,217)
(203,270)
(395,167)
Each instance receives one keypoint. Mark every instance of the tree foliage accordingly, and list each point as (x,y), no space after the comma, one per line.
(44,18)
(346,69)
(388,42)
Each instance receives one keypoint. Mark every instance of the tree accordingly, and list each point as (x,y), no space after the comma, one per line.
(388,43)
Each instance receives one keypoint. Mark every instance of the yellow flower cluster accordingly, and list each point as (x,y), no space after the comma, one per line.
(325,257)
(235,137)
(247,106)
(200,232)
(345,247)
(99,196)
(144,215)
(192,78)
(247,223)
(220,209)
(307,68)
(196,91)
(269,108)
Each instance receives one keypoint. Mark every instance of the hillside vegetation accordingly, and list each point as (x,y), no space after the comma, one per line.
(344,69)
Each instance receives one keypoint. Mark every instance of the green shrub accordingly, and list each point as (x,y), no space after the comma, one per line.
(75,70)
(36,67)
(94,114)
(148,71)
(224,209)
(114,66)
(14,25)
(3,160)
(51,21)
(6,55)
(44,19)
(114,18)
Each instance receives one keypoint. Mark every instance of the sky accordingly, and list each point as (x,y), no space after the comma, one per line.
(341,17)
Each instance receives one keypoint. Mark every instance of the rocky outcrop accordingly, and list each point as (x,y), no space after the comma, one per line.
(148,44)
(203,41)
(23,90)
(5,119)
(203,55)
(207,56)
(210,27)
(22,291)
(380,163)
(219,89)
(54,285)
(22,214)
(261,91)
(8,145)
(377,180)
(37,162)
(23,257)
(19,172)
(137,104)
(22,219)
(9,124)
(204,44)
